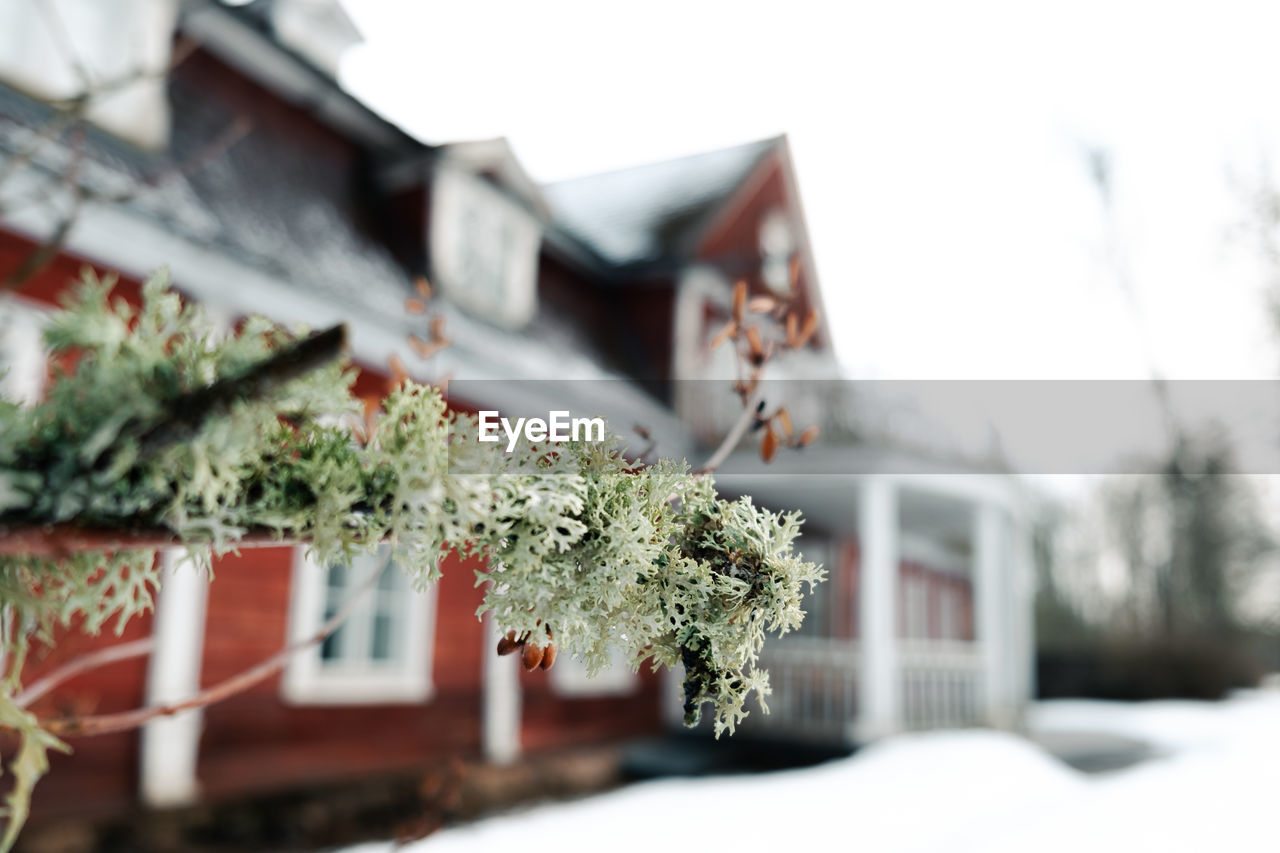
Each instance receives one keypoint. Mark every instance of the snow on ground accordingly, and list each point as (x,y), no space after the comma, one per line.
(1214,786)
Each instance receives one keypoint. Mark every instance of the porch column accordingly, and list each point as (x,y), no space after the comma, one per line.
(501,726)
(991,622)
(171,745)
(879,700)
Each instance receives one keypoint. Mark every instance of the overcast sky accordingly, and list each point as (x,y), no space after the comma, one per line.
(940,153)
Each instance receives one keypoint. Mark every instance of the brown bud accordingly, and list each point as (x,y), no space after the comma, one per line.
(532,657)
(508,644)
(784,421)
(769,446)
(548,657)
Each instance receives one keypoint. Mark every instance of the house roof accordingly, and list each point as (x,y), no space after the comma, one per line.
(256,200)
(651,213)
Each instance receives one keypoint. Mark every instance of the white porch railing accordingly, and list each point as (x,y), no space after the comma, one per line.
(941,683)
(815,687)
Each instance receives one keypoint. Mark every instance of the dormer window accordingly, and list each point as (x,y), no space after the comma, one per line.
(49,48)
(484,248)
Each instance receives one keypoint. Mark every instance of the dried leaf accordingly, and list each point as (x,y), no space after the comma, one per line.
(769,445)
(807,437)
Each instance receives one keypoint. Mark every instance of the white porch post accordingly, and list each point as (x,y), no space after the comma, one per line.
(991,615)
(171,745)
(879,700)
(501,732)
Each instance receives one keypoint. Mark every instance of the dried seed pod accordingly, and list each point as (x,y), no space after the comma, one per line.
(508,644)
(532,656)
(548,657)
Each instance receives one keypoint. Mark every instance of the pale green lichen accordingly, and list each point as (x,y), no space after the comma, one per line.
(579,542)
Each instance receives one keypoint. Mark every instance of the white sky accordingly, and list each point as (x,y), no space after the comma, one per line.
(938,148)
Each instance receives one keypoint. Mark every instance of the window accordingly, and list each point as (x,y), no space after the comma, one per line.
(382,652)
(47,46)
(569,677)
(484,248)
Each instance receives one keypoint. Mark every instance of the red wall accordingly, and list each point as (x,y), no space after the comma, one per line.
(254,741)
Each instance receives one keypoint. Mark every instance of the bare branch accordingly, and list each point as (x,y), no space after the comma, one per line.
(84,663)
(750,413)
(127,720)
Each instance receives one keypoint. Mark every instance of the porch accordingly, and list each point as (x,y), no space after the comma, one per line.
(926,619)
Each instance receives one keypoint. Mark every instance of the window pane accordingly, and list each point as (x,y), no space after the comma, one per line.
(380,649)
(333,645)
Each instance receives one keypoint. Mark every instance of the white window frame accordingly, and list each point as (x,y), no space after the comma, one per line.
(308,680)
(24,363)
(569,678)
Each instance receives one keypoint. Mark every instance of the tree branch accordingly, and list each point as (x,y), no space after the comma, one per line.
(750,412)
(103,724)
(84,663)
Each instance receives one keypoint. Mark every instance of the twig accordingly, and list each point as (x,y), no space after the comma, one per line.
(126,720)
(731,439)
(84,663)
(188,412)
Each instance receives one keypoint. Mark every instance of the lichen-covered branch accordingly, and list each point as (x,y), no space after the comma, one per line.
(575,539)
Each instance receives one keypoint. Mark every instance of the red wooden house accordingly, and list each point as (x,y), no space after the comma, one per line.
(265,188)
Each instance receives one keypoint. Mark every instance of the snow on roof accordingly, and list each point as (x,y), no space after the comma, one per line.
(635,215)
